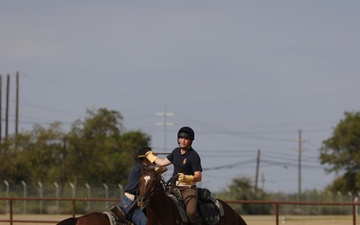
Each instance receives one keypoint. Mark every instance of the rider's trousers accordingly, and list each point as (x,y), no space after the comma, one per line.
(190,197)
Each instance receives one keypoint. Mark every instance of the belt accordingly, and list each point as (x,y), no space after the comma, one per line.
(130,196)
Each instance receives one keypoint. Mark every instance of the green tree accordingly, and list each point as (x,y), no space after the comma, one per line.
(242,189)
(99,150)
(339,184)
(31,156)
(96,150)
(41,151)
(341,153)
(12,166)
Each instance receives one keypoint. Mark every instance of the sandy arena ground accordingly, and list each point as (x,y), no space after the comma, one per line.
(250,220)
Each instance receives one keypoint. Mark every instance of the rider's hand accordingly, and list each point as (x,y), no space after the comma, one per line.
(185,178)
(150,156)
(161,169)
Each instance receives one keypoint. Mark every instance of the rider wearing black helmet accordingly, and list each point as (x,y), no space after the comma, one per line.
(187,165)
(186,132)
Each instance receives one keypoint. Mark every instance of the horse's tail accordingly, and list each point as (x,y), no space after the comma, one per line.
(69,221)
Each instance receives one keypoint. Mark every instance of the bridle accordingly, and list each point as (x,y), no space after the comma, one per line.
(145,200)
(148,197)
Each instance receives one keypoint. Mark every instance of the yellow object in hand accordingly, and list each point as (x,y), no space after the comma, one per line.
(150,156)
(161,169)
(185,178)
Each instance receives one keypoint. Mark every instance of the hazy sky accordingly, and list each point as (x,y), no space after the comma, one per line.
(245,75)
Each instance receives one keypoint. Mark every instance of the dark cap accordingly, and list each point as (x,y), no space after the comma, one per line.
(142,151)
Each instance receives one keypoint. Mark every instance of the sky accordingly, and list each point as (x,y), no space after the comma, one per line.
(248,76)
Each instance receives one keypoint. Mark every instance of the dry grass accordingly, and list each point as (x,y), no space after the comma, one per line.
(250,220)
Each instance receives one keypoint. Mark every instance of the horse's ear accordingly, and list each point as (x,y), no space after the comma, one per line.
(148,168)
(161,169)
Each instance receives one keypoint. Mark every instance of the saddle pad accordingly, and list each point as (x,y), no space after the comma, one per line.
(218,204)
(181,210)
(116,216)
(111,218)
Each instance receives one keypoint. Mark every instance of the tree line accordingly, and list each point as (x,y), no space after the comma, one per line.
(98,150)
(95,150)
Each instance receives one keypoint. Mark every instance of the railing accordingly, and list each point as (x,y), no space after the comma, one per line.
(11,201)
(277,203)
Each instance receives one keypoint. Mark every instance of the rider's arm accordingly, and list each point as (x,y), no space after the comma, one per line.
(197,176)
(154,159)
(162,161)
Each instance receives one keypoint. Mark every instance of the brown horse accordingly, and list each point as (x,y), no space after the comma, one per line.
(162,210)
(94,218)
(98,218)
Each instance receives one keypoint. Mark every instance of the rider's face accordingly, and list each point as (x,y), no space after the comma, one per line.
(145,161)
(184,142)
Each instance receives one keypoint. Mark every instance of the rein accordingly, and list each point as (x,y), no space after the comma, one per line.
(147,199)
(160,183)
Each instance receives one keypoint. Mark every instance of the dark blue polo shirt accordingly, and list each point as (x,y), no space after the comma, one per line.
(187,163)
(134,179)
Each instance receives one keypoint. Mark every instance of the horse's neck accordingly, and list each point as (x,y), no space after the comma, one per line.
(160,210)
(159,193)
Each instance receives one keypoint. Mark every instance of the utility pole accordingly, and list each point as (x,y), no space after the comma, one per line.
(299,165)
(165,114)
(257,173)
(17,105)
(7,107)
(0,107)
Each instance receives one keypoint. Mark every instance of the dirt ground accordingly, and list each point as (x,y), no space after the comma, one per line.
(300,220)
(250,220)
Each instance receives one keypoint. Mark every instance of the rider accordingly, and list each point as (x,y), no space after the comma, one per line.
(187,165)
(136,215)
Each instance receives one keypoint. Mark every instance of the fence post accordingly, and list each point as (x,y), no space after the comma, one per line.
(11,211)
(25,194)
(277,213)
(354,214)
(41,195)
(73,189)
(106,194)
(350,199)
(88,195)
(7,195)
(121,191)
(73,206)
(57,196)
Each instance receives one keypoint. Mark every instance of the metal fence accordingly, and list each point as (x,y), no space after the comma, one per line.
(111,192)
(59,199)
(74,202)
(57,192)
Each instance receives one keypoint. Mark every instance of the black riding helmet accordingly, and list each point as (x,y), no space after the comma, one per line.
(186,132)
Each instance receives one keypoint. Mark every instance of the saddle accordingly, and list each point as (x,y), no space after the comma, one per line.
(209,209)
(117,216)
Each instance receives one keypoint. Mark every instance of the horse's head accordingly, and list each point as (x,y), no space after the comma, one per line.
(150,182)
